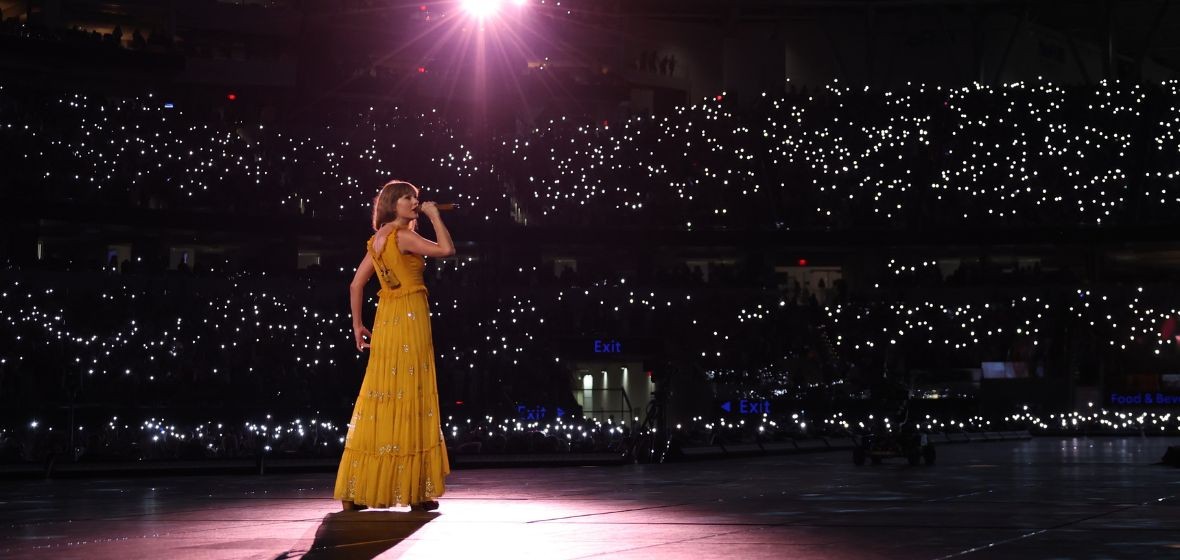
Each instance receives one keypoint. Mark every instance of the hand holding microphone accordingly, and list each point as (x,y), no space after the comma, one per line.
(443,246)
(431,209)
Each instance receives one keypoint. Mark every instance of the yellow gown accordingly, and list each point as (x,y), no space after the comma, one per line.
(394,454)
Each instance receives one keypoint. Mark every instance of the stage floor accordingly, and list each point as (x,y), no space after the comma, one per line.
(1044,498)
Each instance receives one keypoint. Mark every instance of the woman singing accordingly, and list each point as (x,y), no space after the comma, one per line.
(394,453)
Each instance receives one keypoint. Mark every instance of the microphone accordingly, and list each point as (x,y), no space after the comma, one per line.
(445,206)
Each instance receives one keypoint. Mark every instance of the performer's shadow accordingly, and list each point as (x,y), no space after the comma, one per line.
(363,534)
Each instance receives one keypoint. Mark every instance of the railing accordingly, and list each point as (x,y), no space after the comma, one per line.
(627,413)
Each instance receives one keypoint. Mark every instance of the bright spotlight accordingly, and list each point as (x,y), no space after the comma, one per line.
(481,8)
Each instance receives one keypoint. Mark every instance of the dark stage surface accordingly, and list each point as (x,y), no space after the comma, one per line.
(1044,498)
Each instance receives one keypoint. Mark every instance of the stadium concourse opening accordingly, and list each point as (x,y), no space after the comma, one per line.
(610,381)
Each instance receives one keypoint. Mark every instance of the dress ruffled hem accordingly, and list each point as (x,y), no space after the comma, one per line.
(382,480)
(390,294)
(390,453)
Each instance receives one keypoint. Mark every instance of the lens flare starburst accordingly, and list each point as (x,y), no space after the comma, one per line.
(481,9)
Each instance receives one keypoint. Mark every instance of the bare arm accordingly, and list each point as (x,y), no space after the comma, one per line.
(411,242)
(356,294)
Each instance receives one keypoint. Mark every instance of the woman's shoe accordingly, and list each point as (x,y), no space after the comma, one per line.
(352,506)
(429,505)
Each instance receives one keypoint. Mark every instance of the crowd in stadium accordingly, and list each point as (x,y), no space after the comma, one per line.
(121,339)
(1020,155)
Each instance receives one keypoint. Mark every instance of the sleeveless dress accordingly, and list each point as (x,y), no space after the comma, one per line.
(394,454)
